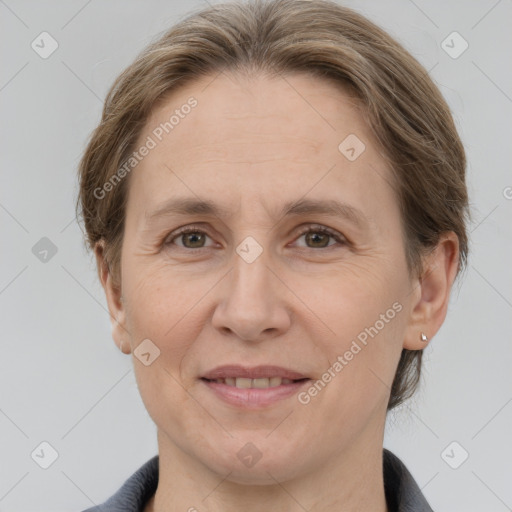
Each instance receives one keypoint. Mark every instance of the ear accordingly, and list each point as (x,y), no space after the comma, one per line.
(116,308)
(432,292)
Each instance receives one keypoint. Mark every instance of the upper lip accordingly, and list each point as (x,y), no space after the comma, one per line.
(256,372)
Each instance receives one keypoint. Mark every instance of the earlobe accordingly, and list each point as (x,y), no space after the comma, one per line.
(433,293)
(115,302)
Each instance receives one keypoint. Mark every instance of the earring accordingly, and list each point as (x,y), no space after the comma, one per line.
(424,337)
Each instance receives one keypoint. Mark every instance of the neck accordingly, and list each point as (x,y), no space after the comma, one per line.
(350,481)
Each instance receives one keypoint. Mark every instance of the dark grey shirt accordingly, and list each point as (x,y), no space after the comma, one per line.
(402,492)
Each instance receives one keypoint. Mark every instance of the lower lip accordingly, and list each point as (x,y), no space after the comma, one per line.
(254,397)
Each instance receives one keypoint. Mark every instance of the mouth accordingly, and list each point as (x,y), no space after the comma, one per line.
(253,387)
(260,383)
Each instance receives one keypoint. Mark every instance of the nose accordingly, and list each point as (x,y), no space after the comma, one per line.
(252,304)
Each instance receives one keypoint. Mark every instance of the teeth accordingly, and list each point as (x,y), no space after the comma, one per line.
(262,383)
(275,381)
(243,383)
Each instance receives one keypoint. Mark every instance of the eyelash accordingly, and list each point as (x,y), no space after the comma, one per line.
(312,228)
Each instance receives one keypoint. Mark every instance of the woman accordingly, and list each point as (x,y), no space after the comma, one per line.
(276,200)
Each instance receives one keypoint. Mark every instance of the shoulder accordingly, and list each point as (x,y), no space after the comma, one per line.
(135,492)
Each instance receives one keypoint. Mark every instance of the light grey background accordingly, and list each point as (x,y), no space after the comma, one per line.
(63,381)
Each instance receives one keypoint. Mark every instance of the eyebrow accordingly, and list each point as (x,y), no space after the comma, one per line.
(193,206)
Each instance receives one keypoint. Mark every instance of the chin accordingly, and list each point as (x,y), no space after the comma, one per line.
(257,463)
(262,473)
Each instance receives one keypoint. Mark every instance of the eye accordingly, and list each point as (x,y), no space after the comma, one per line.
(318,237)
(191,238)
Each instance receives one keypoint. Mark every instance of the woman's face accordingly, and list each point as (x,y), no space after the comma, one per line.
(254,286)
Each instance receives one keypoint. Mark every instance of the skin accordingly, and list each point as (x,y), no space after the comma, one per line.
(251,145)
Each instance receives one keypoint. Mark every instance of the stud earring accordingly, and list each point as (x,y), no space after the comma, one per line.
(424,337)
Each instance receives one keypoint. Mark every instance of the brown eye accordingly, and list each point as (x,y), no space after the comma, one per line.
(318,237)
(194,238)
(189,238)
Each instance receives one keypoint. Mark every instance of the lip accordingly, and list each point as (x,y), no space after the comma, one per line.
(253,398)
(255,372)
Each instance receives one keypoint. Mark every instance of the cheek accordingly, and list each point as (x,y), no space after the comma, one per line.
(169,317)
(366,315)
(354,388)
(354,298)
(162,303)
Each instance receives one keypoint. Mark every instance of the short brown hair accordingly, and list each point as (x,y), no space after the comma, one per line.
(400,102)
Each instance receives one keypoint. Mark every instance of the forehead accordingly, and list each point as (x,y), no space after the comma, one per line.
(248,135)
(298,108)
